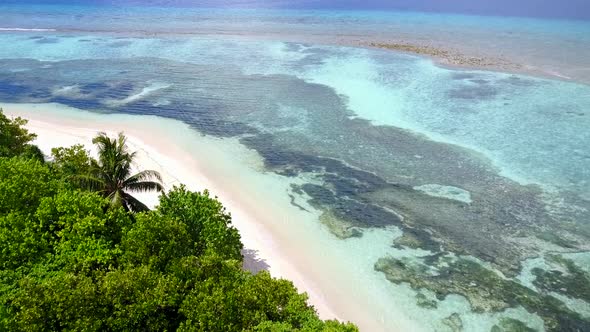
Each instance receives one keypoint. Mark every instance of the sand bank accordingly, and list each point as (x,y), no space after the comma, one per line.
(286,240)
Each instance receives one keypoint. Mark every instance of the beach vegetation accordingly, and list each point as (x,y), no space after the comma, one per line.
(15,139)
(71,161)
(111,174)
(71,260)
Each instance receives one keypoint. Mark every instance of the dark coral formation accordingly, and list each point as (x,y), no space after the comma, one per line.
(572,281)
(454,322)
(485,290)
(511,325)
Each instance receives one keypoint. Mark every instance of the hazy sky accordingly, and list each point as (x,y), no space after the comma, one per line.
(536,8)
(539,8)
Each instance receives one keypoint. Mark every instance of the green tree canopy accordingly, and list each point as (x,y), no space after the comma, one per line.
(15,139)
(206,220)
(71,161)
(23,183)
(71,260)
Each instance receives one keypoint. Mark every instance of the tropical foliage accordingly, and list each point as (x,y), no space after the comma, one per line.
(110,175)
(73,261)
(15,138)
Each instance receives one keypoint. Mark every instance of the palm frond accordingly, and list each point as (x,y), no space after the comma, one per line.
(122,142)
(101,140)
(113,171)
(144,186)
(114,161)
(134,204)
(88,182)
(143,176)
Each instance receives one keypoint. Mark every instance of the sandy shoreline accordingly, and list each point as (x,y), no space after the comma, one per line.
(233,174)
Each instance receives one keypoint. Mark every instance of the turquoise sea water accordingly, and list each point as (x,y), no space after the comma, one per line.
(556,48)
(480,178)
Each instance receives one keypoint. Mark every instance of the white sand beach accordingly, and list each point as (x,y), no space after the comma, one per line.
(287,239)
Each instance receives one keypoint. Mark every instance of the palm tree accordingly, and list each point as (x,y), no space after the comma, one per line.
(110,175)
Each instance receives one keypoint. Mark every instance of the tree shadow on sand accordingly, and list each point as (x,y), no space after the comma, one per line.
(252,262)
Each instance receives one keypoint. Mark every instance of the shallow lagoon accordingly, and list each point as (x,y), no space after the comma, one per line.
(383,147)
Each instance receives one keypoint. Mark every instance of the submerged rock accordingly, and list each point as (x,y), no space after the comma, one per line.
(511,325)
(341,228)
(454,322)
(425,302)
(448,192)
(486,290)
(555,239)
(573,281)
(409,240)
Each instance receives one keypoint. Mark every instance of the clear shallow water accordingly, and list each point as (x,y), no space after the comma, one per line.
(558,48)
(385,146)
